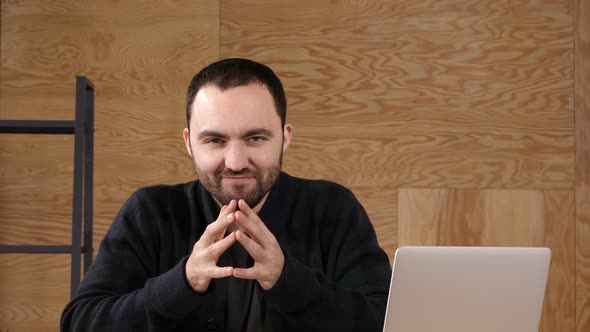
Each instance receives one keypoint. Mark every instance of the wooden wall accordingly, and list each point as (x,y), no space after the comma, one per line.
(455,122)
(140,55)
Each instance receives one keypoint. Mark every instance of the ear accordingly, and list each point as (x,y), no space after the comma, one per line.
(187,141)
(287,132)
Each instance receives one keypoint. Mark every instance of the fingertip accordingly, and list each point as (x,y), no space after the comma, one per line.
(244,207)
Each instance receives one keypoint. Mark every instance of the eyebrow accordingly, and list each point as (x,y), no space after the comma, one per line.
(248,133)
(210,133)
(258,132)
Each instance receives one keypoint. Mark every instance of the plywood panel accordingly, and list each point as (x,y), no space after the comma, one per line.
(381,206)
(416,156)
(582,95)
(140,55)
(34,289)
(36,191)
(500,218)
(46,43)
(456,94)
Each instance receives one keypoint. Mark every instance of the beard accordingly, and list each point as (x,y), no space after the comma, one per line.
(264,179)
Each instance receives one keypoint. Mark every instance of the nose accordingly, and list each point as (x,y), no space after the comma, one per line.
(236,157)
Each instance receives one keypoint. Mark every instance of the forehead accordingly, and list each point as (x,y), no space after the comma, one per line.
(234,109)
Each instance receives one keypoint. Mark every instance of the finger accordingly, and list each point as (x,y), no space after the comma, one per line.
(250,273)
(252,224)
(256,223)
(248,226)
(230,218)
(251,247)
(220,272)
(221,234)
(249,217)
(219,247)
(216,230)
(245,208)
(231,207)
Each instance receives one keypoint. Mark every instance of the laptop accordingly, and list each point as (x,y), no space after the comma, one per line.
(474,289)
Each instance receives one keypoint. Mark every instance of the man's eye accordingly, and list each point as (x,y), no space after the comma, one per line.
(257,138)
(213,141)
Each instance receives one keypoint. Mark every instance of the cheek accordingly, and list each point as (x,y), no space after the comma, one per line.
(269,158)
(208,162)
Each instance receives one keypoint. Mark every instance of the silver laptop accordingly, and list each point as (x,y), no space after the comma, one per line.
(475,289)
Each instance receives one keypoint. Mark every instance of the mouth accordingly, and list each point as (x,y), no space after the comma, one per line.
(237,179)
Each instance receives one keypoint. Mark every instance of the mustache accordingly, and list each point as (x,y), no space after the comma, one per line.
(243,172)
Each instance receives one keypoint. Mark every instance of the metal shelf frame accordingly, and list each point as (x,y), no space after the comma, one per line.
(82,208)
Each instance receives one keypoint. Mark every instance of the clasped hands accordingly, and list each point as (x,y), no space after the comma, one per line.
(254,236)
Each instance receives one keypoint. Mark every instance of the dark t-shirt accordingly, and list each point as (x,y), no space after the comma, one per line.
(246,309)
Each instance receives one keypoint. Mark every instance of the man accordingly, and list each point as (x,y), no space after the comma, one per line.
(244,248)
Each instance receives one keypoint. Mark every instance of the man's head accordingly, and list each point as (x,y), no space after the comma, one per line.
(230,73)
(236,131)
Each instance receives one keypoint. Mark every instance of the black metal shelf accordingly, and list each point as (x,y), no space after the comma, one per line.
(35,249)
(82,209)
(37,127)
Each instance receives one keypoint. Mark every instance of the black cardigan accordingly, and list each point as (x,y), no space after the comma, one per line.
(335,278)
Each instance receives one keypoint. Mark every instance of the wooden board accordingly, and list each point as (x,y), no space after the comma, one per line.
(140,55)
(582,107)
(500,218)
(419,94)
(34,289)
(381,206)
(36,192)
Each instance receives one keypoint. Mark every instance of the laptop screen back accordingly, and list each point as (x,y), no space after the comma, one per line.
(476,289)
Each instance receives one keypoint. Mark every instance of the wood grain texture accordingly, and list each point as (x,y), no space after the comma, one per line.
(582,108)
(140,55)
(500,218)
(34,289)
(383,94)
(415,157)
(456,94)
(381,206)
(36,190)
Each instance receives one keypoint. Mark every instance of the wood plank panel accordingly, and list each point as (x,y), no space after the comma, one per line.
(34,289)
(381,206)
(415,156)
(582,109)
(500,218)
(140,55)
(481,90)
(36,191)
(137,149)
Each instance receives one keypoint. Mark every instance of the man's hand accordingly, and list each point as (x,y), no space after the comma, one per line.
(261,244)
(201,266)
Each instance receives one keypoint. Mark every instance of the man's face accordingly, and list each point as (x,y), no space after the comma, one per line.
(236,142)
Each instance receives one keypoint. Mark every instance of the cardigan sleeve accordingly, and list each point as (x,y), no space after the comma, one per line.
(350,293)
(122,290)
